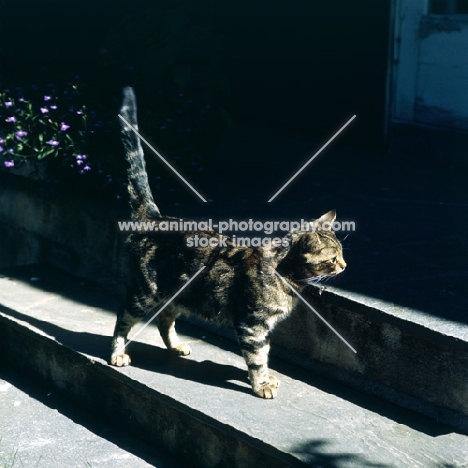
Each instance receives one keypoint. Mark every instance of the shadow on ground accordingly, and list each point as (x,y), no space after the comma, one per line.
(158,360)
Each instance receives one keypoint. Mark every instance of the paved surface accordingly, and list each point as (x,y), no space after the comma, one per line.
(40,429)
(312,422)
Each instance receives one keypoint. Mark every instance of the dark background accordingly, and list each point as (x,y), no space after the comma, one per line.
(300,66)
(238,95)
(297,68)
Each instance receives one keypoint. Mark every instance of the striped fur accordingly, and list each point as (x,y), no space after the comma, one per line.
(141,198)
(238,285)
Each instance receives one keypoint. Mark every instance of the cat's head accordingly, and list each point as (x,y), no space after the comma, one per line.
(309,255)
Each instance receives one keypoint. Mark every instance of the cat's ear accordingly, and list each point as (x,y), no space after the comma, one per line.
(324,223)
(310,240)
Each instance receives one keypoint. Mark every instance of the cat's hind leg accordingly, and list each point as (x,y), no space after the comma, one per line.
(166,325)
(131,312)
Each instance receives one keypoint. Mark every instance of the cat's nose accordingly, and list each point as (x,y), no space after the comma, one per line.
(342,265)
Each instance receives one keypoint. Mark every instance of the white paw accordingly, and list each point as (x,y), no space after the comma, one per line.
(120,360)
(181,350)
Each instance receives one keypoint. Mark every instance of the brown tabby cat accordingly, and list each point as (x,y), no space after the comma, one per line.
(238,285)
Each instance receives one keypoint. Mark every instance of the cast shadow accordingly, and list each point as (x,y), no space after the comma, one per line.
(146,357)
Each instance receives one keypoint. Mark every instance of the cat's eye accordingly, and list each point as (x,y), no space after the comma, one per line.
(334,260)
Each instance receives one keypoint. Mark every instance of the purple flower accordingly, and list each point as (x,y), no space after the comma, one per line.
(80,159)
(20,134)
(21,99)
(11,119)
(8,104)
(64,127)
(53,142)
(1,149)
(53,107)
(47,98)
(9,163)
(44,110)
(79,112)
(85,170)
(2,141)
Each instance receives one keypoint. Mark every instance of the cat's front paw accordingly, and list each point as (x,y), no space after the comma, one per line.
(268,390)
(120,360)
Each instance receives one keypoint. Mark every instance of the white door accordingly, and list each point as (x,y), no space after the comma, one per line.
(428,64)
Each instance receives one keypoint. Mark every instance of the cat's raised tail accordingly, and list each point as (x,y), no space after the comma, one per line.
(141,199)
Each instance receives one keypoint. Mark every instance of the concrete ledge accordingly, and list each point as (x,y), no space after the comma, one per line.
(147,414)
(406,356)
(64,232)
(40,428)
(411,358)
(192,436)
(201,408)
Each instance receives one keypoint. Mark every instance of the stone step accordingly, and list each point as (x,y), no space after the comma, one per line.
(40,428)
(57,329)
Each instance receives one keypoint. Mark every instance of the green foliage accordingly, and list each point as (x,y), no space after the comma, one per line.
(62,138)
(35,125)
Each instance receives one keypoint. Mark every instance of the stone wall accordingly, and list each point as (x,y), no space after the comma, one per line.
(77,237)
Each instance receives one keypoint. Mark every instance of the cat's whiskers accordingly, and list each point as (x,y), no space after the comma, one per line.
(312,279)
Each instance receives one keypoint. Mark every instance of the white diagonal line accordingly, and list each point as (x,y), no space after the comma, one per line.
(311,159)
(160,310)
(161,157)
(313,310)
